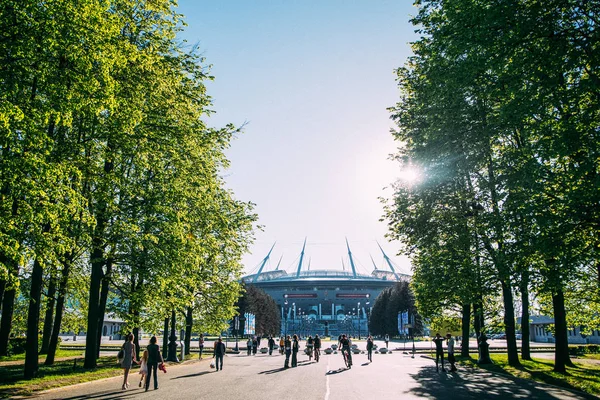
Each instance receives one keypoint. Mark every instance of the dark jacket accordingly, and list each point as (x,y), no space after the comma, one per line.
(295,346)
(154,355)
(369,345)
(219,349)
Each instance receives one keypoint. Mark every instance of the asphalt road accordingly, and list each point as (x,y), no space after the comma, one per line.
(391,376)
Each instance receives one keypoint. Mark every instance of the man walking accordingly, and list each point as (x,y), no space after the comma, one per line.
(288,351)
(451,358)
(271,345)
(387,341)
(439,350)
(370,348)
(219,353)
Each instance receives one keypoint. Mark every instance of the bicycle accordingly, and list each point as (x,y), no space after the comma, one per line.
(347,358)
(309,352)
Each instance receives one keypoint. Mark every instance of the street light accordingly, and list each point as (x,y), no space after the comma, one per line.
(359,320)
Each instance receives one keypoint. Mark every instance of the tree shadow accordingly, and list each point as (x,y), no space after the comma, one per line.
(107,395)
(192,375)
(477,385)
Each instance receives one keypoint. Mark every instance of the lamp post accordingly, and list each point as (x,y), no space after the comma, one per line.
(286,310)
(359,320)
(367,311)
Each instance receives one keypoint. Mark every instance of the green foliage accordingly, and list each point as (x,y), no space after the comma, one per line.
(258,302)
(390,302)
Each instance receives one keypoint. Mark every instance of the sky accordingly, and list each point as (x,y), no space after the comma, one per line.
(310,81)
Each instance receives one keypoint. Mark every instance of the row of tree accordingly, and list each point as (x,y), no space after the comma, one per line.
(499,111)
(391,302)
(110,193)
(267,317)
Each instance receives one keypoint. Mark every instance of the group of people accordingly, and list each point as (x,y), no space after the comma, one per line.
(439,351)
(149,362)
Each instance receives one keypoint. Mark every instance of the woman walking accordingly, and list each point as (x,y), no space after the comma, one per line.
(153,357)
(295,348)
(201,345)
(128,359)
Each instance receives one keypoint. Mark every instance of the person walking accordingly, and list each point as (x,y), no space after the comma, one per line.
(281,345)
(451,359)
(370,348)
(154,357)
(387,341)
(201,345)
(439,351)
(288,351)
(143,368)
(249,345)
(309,347)
(128,359)
(317,348)
(295,348)
(271,345)
(219,353)
(254,345)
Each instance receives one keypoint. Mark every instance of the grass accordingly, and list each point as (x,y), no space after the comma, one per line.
(583,377)
(62,373)
(59,354)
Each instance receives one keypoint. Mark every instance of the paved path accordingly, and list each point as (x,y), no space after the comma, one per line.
(392,376)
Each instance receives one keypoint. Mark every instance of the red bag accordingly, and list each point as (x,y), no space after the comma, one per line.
(162,367)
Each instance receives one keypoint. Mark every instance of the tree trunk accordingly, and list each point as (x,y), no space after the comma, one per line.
(165,338)
(2,286)
(103,299)
(509,325)
(466,325)
(478,321)
(60,306)
(33,321)
(49,317)
(561,347)
(8,306)
(136,339)
(525,348)
(189,321)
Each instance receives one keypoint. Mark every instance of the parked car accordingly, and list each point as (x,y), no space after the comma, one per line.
(519,336)
(501,336)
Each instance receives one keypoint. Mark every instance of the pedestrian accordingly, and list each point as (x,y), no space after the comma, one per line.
(387,340)
(219,353)
(154,357)
(143,368)
(317,348)
(451,359)
(281,345)
(288,351)
(271,345)
(370,348)
(128,359)
(258,340)
(439,351)
(254,345)
(249,345)
(201,345)
(295,348)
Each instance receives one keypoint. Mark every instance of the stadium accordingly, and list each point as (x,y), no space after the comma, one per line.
(325,302)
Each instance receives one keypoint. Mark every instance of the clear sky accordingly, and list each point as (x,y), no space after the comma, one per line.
(311,81)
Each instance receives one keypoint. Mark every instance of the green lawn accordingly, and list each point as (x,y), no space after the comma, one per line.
(584,377)
(62,373)
(59,354)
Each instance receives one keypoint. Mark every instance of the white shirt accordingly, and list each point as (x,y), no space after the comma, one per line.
(451,346)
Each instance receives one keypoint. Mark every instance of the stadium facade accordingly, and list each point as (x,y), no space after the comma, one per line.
(324,302)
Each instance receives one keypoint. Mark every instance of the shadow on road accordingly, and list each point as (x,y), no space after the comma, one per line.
(107,395)
(272,371)
(466,384)
(192,375)
(336,371)
(365,364)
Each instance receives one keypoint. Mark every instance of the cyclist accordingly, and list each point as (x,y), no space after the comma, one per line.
(317,347)
(346,352)
(309,347)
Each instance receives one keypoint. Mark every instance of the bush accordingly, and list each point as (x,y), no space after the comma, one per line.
(16,345)
(581,350)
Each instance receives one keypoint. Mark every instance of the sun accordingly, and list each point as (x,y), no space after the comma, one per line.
(410,174)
